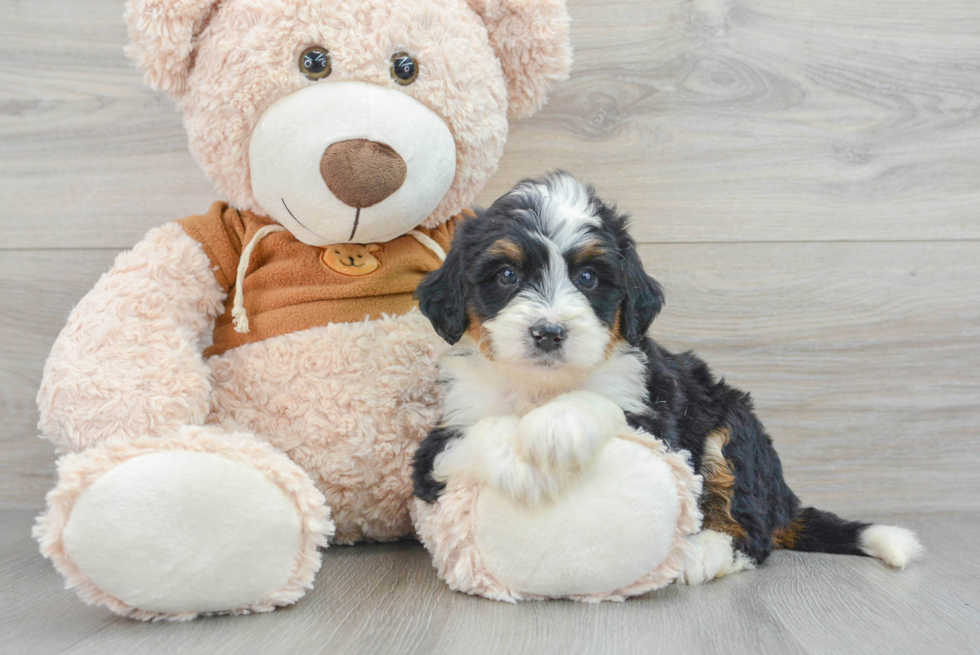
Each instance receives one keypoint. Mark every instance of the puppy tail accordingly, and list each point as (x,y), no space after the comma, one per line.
(816,531)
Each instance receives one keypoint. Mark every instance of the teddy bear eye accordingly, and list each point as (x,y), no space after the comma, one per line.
(315,63)
(404,69)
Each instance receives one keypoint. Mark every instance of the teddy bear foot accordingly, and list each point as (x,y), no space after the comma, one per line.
(200,522)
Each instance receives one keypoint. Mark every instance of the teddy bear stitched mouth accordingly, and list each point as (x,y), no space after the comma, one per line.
(357,218)
(360,173)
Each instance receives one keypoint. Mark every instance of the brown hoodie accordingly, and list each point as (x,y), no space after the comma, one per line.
(290,286)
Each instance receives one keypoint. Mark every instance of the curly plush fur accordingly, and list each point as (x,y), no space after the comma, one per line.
(348,402)
(128,362)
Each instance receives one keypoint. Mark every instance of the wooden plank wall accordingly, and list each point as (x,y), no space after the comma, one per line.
(804,176)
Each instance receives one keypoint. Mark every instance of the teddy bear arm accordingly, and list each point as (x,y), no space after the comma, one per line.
(129,363)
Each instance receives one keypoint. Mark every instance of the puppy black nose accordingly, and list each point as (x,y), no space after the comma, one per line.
(548,336)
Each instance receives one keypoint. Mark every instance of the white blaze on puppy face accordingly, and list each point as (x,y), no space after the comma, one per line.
(565,210)
(551,297)
(555,300)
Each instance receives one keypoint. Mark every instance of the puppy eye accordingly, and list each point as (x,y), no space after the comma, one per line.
(587,279)
(508,277)
(315,63)
(404,70)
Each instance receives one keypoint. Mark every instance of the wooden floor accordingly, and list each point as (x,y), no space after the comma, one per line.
(386,599)
(805,180)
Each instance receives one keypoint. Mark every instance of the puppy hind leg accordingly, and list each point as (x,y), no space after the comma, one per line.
(711,555)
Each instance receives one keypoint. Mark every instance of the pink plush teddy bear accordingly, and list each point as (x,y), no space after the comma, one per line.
(248,384)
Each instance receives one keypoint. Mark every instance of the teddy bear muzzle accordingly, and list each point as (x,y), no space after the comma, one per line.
(350,162)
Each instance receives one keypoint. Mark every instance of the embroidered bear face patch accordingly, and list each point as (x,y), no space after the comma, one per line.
(351,258)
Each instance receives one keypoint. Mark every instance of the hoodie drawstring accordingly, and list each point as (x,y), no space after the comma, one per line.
(238,312)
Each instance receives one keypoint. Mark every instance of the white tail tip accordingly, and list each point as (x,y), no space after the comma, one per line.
(891,544)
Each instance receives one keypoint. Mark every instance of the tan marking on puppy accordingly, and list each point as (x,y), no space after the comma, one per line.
(480,334)
(719,486)
(615,335)
(591,250)
(787,537)
(507,248)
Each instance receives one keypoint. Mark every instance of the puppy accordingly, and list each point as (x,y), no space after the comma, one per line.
(548,305)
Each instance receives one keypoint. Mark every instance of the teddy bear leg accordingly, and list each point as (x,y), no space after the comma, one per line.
(711,555)
(203,521)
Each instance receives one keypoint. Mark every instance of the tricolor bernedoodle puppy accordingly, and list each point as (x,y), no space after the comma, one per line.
(548,305)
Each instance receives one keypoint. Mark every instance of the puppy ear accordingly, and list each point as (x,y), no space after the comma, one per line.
(530,37)
(442,297)
(163,36)
(644,297)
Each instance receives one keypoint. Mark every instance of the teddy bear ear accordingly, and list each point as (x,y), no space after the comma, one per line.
(530,37)
(163,36)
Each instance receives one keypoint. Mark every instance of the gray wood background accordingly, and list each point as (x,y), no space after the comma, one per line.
(804,176)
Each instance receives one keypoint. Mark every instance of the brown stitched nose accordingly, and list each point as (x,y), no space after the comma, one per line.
(362,173)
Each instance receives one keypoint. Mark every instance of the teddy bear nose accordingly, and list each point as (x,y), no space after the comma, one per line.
(362,173)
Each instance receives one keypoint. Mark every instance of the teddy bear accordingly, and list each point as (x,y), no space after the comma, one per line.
(249,384)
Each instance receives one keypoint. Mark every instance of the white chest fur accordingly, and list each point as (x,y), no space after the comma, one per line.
(477,388)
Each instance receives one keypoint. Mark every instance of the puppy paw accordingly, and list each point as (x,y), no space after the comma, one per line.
(711,555)
(487,455)
(485,449)
(564,435)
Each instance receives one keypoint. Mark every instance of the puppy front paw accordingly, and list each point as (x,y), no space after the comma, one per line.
(564,435)
(482,450)
(486,454)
